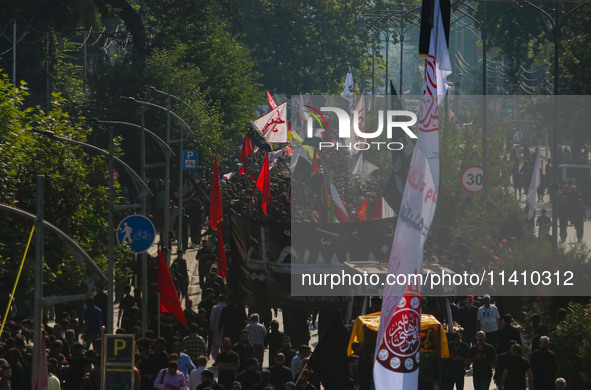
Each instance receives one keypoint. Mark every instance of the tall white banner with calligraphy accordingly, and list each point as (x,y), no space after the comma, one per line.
(399,335)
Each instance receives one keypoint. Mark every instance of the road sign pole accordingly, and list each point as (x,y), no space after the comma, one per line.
(38,306)
(111,272)
(144,256)
(179,238)
(167,184)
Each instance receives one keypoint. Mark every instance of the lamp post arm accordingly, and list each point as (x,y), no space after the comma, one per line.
(74,248)
(163,145)
(546,14)
(197,117)
(148,104)
(136,179)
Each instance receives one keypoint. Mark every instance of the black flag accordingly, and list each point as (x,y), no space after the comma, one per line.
(394,188)
(427,23)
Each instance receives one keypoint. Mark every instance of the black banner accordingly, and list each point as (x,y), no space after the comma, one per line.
(266,254)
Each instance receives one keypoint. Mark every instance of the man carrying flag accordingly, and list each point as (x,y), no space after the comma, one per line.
(398,341)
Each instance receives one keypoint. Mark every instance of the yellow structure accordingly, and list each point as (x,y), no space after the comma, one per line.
(433,338)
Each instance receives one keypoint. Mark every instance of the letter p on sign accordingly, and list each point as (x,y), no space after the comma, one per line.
(119,345)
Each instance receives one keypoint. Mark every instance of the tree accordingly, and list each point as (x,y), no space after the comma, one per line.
(75,194)
(303,45)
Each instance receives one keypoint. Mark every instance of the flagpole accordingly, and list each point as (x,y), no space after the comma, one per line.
(158,313)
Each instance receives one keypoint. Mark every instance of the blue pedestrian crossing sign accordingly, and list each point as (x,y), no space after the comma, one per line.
(189,160)
(137,232)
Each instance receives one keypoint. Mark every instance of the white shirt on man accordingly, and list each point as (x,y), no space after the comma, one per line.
(488,317)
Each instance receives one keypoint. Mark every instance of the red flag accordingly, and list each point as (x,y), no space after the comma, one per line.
(221,255)
(251,177)
(381,210)
(362,212)
(244,153)
(264,184)
(42,382)
(272,104)
(215,208)
(169,300)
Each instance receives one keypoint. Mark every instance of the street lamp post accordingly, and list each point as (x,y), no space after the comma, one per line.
(184,124)
(483,24)
(111,239)
(167,151)
(556,23)
(181,163)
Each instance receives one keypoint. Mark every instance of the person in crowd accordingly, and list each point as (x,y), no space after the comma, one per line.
(489,321)
(467,318)
(543,365)
(516,370)
(544,223)
(273,341)
(190,314)
(256,335)
(507,333)
(208,382)
(288,351)
(250,376)
(560,384)
(483,357)
(228,363)
(280,374)
(93,321)
(193,344)
(232,320)
(184,361)
(170,378)
(453,368)
(501,362)
(244,349)
(297,362)
(125,304)
(195,376)
(264,383)
(208,301)
(205,261)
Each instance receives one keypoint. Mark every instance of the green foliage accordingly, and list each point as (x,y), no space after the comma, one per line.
(572,344)
(227,80)
(70,202)
(303,45)
(464,218)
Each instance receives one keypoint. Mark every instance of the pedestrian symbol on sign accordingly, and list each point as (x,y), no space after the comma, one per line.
(137,232)
(127,230)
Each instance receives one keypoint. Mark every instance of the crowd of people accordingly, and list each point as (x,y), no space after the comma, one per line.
(223,348)
(494,348)
(224,345)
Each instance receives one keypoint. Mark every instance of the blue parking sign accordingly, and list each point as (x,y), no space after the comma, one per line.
(189,160)
(137,232)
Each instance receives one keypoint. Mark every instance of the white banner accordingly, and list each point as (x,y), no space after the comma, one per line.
(274,125)
(399,335)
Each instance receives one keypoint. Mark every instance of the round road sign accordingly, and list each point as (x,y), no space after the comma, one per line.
(472,179)
(137,232)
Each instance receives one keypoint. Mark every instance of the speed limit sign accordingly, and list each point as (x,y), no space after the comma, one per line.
(472,179)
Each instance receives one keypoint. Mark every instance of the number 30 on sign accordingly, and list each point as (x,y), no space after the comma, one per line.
(472,179)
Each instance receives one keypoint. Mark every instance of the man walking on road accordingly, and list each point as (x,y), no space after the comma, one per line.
(483,357)
(515,371)
(489,321)
(543,365)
